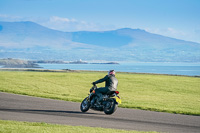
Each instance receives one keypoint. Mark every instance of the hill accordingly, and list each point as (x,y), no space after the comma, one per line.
(29,40)
(16,63)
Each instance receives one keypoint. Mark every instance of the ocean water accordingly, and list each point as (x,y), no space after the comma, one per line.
(190,69)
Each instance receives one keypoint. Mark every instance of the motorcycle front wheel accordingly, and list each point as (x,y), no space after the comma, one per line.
(85,105)
(110,107)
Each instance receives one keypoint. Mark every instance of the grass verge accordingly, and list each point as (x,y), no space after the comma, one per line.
(33,127)
(164,93)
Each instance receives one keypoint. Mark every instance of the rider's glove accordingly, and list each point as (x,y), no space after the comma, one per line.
(94,83)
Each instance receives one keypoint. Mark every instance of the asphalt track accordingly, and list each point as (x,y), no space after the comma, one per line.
(32,109)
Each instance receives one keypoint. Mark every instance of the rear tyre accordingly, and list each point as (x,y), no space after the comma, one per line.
(85,105)
(110,107)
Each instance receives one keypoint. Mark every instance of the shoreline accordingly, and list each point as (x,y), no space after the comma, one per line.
(69,70)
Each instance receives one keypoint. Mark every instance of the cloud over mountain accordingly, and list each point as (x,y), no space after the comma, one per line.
(59,23)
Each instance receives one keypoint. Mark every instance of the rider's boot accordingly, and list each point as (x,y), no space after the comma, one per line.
(100,98)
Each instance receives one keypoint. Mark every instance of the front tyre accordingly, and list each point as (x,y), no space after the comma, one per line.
(110,107)
(85,105)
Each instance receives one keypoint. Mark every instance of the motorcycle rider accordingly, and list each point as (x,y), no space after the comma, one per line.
(111,83)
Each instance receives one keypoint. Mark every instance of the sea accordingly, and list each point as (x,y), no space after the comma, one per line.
(188,69)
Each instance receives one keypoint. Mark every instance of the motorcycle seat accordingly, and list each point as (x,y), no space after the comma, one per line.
(110,92)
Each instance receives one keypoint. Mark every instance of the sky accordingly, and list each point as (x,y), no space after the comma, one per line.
(173,18)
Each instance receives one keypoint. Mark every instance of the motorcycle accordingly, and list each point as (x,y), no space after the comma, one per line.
(109,103)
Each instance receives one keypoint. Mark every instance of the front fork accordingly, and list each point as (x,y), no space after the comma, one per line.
(90,96)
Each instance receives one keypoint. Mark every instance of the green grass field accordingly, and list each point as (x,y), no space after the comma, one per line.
(33,127)
(173,94)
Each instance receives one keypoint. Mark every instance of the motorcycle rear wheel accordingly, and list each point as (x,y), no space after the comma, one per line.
(110,107)
(85,105)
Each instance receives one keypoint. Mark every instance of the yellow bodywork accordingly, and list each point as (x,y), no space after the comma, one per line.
(118,99)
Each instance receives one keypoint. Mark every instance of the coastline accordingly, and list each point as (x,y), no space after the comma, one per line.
(164,68)
(77,71)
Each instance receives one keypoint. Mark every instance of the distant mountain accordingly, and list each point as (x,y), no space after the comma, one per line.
(28,40)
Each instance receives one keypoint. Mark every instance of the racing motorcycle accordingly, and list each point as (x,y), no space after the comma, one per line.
(109,103)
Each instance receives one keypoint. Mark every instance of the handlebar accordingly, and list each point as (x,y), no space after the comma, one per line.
(93,88)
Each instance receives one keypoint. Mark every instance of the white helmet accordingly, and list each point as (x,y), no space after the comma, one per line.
(111,72)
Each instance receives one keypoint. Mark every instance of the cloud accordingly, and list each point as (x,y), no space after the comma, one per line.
(190,35)
(60,23)
(59,19)
(4,17)
(167,31)
(67,24)
(170,32)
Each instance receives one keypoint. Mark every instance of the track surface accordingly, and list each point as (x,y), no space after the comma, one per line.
(26,108)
